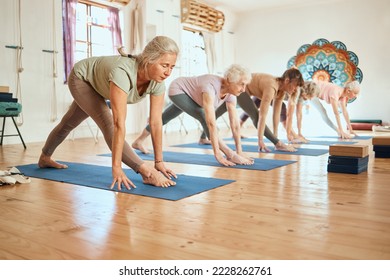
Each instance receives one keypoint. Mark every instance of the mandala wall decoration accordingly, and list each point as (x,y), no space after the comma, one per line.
(327,61)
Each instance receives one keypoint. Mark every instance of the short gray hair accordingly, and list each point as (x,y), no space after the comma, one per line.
(354,86)
(235,72)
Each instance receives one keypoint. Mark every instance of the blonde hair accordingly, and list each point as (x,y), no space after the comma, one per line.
(235,72)
(309,88)
(156,48)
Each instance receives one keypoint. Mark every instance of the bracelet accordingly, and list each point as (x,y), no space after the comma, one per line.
(158,161)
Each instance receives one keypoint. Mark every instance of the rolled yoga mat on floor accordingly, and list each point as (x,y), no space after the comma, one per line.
(255,149)
(363,126)
(366,121)
(100,177)
(209,160)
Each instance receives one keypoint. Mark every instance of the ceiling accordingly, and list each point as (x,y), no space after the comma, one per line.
(239,6)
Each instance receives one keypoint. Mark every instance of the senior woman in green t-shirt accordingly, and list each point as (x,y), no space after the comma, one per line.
(122,80)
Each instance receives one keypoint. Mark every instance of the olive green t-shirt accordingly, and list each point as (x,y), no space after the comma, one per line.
(121,70)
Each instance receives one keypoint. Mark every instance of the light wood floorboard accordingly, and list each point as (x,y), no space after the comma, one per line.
(299,211)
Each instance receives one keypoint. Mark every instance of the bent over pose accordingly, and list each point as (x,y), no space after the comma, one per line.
(199,97)
(122,80)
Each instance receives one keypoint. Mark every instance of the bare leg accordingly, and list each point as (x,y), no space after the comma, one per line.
(138,143)
(73,117)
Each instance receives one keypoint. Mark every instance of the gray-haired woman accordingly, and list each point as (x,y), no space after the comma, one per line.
(199,97)
(122,80)
(332,94)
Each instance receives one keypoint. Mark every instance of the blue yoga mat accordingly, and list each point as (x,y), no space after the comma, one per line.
(312,142)
(100,177)
(255,149)
(209,160)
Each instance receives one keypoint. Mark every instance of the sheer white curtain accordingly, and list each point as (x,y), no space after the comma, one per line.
(137,44)
(211,55)
(138,26)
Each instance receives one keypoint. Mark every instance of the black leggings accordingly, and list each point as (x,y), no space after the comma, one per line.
(247,104)
(183,103)
(283,113)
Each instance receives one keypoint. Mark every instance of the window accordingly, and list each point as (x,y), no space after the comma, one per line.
(193,55)
(93,31)
(89,29)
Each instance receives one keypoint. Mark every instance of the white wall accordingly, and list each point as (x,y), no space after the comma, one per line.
(264,41)
(36,78)
(267,39)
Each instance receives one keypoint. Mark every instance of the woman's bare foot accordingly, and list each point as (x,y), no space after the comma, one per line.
(156,178)
(46,162)
(204,141)
(138,146)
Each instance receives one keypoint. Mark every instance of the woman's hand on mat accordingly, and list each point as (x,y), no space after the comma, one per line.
(299,140)
(121,178)
(303,138)
(240,159)
(353,134)
(290,137)
(344,135)
(224,161)
(166,171)
(156,178)
(242,154)
(263,147)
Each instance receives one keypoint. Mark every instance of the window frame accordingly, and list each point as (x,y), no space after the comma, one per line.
(89,24)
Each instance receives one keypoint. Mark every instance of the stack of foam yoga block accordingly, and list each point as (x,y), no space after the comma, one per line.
(381,146)
(351,159)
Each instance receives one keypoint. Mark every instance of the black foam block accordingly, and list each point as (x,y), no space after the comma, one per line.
(381,148)
(350,161)
(347,169)
(382,154)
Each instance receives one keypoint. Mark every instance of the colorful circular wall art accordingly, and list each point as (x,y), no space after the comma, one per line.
(327,61)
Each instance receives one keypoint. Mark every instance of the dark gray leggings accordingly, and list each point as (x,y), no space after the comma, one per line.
(183,103)
(246,103)
(87,103)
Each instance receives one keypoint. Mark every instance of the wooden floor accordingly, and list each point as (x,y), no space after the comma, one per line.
(294,212)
